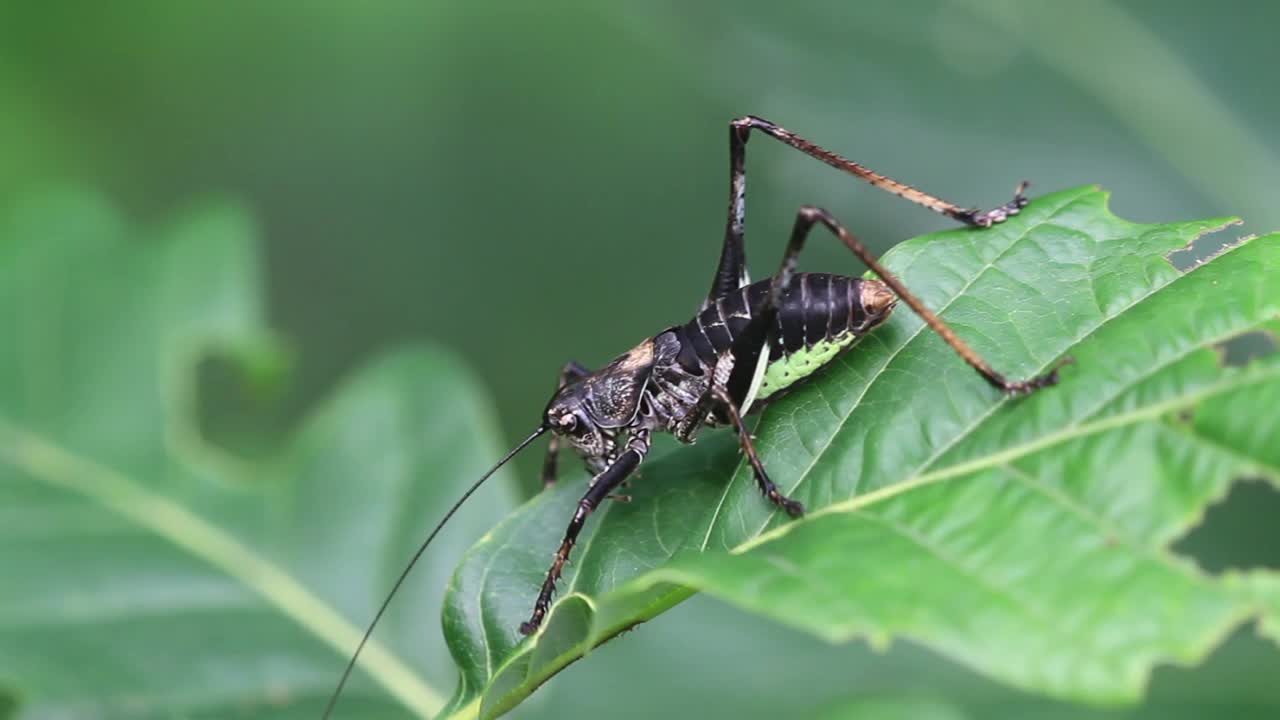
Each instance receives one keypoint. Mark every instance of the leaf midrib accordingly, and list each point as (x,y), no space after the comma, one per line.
(55,465)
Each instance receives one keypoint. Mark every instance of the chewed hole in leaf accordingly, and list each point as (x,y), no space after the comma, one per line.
(1244,348)
(1238,533)
(1207,246)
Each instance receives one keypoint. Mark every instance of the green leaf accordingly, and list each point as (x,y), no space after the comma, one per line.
(1027,538)
(1263,589)
(150,574)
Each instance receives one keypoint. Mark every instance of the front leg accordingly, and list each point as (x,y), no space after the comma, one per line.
(601,486)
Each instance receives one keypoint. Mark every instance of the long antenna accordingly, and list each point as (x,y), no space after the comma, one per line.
(351,664)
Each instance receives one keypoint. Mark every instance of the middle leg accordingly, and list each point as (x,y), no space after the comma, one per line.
(767,486)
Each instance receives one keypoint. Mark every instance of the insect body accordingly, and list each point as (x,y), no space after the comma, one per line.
(748,343)
(817,316)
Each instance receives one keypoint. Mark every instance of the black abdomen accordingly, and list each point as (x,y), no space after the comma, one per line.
(816,307)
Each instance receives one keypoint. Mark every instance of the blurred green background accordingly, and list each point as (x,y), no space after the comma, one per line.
(532,182)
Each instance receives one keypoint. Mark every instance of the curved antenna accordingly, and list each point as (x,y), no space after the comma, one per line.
(351,664)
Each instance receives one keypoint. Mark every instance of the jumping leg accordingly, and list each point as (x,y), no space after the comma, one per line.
(805,220)
(731,271)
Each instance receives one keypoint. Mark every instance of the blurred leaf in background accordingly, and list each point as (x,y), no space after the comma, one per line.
(421,169)
(149,574)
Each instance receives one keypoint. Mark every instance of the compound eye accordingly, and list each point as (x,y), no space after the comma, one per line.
(568,423)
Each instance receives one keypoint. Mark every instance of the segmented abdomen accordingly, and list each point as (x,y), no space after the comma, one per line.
(816,309)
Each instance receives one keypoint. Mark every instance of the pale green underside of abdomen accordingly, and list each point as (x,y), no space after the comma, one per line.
(791,369)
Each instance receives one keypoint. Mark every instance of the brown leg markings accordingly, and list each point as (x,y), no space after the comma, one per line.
(767,486)
(809,216)
(730,272)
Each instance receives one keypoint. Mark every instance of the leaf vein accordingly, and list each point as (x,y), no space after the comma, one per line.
(1025,449)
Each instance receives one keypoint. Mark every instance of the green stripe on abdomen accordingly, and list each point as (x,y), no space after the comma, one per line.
(788,370)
